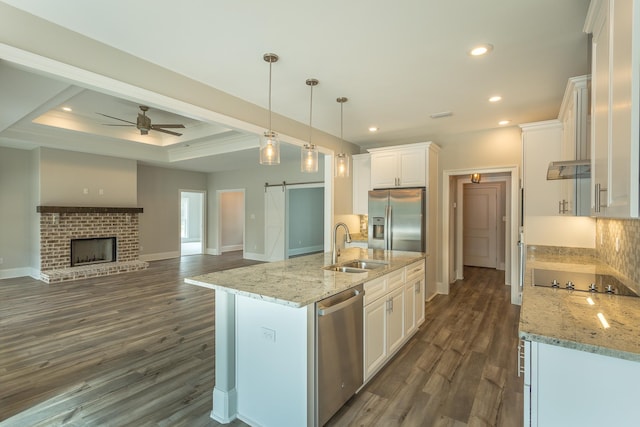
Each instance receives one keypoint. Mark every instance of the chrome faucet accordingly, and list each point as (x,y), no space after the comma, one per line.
(336,252)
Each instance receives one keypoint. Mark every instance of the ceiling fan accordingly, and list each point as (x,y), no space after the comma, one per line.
(144,123)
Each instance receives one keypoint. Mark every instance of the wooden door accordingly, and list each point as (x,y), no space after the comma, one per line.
(480,227)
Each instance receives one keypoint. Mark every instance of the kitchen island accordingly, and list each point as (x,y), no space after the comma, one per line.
(265,318)
(581,360)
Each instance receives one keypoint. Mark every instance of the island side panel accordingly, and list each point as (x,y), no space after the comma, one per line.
(274,363)
(225,406)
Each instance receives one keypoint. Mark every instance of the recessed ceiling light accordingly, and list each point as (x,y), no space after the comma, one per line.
(504,122)
(373,129)
(67,109)
(495,98)
(480,50)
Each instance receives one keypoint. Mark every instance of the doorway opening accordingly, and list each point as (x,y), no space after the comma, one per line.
(230,221)
(453,237)
(192,215)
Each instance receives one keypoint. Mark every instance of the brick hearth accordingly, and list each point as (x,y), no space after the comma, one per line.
(57,228)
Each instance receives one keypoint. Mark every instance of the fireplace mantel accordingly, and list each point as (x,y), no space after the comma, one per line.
(85,209)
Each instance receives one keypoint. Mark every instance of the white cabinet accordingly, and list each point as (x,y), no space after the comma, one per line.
(375,336)
(361,183)
(393,310)
(541,144)
(400,166)
(567,387)
(615,107)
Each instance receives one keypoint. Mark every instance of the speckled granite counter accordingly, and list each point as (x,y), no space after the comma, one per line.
(301,281)
(567,319)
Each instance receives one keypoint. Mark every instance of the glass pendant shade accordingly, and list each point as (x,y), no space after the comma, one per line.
(269,144)
(269,149)
(475,178)
(309,159)
(342,166)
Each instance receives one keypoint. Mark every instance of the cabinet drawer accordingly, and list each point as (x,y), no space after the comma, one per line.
(375,289)
(415,271)
(395,280)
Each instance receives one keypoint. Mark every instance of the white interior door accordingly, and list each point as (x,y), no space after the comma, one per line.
(274,222)
(480,227)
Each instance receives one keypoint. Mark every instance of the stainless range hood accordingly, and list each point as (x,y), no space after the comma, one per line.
(569,169)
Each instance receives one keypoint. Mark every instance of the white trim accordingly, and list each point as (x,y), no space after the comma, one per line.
(10,273)
(231,248)
(511,250)
(307,250)
(203,216)
(160,256)
(212,251)
(254,256)
(227,408)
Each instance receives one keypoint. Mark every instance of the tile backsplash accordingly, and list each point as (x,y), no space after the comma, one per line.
(617,244)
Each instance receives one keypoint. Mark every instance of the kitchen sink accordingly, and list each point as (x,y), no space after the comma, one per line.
(357,266)
(342,269)
(365,264)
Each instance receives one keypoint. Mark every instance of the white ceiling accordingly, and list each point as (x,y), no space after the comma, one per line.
(397,62)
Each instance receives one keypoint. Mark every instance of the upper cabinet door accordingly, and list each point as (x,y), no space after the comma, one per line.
(384,170)
(401,165)
(615,107)
(412,167)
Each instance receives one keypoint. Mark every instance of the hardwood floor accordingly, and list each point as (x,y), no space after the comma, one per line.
(137,349)
(460,369)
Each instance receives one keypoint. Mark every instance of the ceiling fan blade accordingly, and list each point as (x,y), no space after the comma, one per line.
(115,118)
(168,126)
(110,124)
(166,131)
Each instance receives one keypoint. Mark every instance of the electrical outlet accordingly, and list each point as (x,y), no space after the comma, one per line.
(269,334)
(85,191)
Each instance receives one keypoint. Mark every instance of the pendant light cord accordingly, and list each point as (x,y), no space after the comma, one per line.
(270,130)
(310,113)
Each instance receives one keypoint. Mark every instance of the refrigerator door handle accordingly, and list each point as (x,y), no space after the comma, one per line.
(390,233)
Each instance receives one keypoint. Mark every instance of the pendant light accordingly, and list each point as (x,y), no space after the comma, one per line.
(269,144)
(341,169)
(309,153)
(475,178)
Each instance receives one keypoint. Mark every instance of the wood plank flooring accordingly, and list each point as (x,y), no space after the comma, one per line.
(137,350)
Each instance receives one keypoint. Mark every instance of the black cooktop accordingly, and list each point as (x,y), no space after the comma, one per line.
(581,282)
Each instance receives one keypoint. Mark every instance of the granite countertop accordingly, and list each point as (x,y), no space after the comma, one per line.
(568,319)
(301,281)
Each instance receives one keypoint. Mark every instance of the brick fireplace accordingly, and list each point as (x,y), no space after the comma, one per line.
(60,225)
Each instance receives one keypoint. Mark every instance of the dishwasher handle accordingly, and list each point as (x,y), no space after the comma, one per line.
(326,310)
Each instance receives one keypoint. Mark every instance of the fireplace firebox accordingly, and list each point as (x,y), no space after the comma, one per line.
(93,251)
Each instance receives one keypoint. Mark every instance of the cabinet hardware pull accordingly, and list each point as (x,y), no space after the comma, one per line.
(520,358)
(597,198)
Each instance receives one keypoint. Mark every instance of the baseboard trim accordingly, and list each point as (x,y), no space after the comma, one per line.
(230,248)
(306,250)
(441,288)
(160,256)
(10,273)
(254,256)
(212,251)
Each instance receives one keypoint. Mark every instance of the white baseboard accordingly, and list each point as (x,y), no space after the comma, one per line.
(159,256)
(10,273)
(230,248)
(212,251)
(306,250)
(501,266)
(254,256)
(442,288)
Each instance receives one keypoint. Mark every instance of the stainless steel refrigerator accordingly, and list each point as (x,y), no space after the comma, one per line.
(397,219)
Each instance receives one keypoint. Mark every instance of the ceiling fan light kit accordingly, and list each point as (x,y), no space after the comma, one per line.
(309,152)
(269,144)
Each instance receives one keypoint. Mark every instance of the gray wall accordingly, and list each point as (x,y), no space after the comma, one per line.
(159,196)
(305,212)
(68,178)
(252,180)
(17,209)
(232,219)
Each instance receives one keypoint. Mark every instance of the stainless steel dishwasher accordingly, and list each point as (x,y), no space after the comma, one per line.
(339,361)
